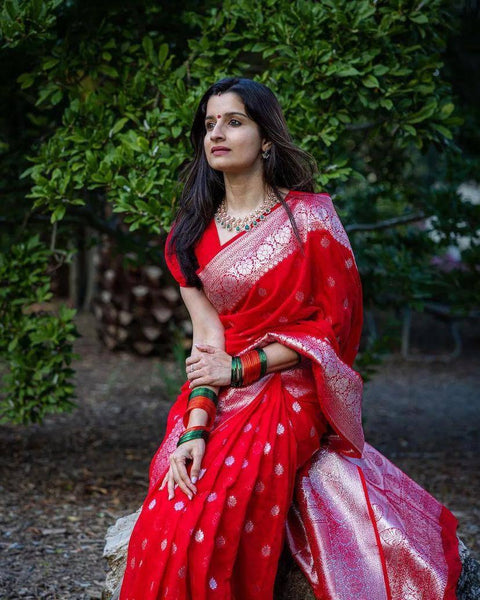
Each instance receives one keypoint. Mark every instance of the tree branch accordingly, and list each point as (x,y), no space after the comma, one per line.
(386,224)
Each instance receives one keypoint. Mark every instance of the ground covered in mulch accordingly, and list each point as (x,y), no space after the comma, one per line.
(63,483)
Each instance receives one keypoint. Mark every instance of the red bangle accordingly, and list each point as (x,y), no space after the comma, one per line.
(251,367)
(194,428)
(205,404)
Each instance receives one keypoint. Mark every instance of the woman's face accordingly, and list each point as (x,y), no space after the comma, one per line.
(232,140)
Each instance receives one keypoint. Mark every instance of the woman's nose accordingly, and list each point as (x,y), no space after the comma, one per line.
(217,132)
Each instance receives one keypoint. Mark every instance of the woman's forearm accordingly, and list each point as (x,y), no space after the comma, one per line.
(210,334)
(207,329)
(280,357)
(213,336)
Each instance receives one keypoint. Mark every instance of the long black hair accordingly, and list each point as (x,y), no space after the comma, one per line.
(287,167)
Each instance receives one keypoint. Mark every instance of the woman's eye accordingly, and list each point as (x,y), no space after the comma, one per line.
(209,125)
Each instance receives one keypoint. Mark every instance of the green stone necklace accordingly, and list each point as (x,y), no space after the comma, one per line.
(249,221)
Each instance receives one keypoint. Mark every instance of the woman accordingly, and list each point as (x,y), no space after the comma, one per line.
(265,439)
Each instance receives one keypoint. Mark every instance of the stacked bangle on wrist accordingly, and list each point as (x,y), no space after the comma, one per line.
(193,433)
(204,398)
(236,371)
(248,368)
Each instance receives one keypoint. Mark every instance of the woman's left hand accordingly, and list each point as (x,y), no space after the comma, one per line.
(209,366)
(177,474)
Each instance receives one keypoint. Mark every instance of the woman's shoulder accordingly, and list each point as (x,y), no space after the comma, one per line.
(172,260)
(316,212)
(311,204)
(308,196)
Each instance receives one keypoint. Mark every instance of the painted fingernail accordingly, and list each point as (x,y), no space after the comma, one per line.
(194,479)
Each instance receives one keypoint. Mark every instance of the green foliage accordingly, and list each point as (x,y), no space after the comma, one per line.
(36,345)
(342,70)
(115,136)
(24,19)
(349,74)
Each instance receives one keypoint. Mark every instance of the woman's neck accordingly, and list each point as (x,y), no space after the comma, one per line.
(243,193)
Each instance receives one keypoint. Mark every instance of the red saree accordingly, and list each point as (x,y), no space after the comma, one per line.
(289,449)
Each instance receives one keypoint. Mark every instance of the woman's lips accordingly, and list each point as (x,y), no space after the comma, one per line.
(220,150)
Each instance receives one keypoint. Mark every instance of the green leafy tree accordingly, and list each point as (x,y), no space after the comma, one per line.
(109,94)
(38,344)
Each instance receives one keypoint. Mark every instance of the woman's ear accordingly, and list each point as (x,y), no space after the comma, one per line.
(266,145)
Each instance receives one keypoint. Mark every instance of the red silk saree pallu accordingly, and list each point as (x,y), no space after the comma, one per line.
(287,458)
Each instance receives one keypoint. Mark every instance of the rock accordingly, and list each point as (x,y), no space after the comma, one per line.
(290,584)
(115,551)
(468,587)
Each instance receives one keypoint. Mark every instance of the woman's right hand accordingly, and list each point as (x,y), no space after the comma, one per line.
(210,366)
(177,474)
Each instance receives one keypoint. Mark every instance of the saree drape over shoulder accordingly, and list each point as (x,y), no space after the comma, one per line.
(287,458)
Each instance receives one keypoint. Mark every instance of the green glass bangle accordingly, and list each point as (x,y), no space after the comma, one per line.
(234,371)
(189,437)
(192,435)
(205,392)
(263,361)
(237,372)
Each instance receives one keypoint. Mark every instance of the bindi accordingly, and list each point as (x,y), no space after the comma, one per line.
(219,116)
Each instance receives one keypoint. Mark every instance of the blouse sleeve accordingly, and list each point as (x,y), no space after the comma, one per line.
(173,265)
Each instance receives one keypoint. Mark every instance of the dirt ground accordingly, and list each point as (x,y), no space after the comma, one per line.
(62,484)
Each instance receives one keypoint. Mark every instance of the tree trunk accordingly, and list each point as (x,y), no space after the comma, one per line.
(137,307)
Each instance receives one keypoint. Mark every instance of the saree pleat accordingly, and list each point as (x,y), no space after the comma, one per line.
(287,458)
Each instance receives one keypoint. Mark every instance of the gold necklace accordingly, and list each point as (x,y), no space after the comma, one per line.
(249,221)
